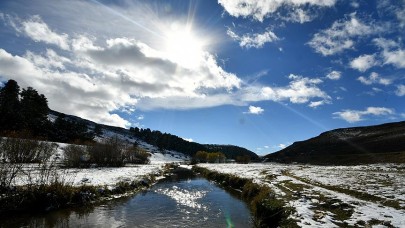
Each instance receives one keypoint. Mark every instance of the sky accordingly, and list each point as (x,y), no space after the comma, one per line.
(257,74)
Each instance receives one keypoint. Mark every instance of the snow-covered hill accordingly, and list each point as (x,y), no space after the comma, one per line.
(157,156)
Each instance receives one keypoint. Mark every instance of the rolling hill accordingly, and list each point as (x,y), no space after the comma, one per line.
(358,145)
(156,141)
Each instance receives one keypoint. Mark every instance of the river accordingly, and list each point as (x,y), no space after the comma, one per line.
(173,202)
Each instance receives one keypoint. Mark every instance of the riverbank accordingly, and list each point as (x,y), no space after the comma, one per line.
(71,187)
(268,211)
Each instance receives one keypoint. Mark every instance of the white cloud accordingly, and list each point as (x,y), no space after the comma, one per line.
(341,35)
(282,146)
(334,75)
(354,4)
(258,10)
(255,110)
(363,62)
(253,40)
(377,90)
(188,139)
(394,8)
(299,15)
(400,90)
(392,52)
(400,13)
(374,78)
(300,90)
(314,104)
(353,116)
(38,30)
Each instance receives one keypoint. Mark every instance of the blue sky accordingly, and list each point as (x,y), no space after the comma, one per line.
(258,74)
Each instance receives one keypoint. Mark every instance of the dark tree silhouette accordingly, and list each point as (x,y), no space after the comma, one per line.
(68,131)
(34,110)
(10,118)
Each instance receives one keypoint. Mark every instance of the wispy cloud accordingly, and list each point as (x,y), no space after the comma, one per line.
(374,78)
(256,40)
(314,104)
(400,90)
(334,75)
(353,116)
(392,52)
(342,35)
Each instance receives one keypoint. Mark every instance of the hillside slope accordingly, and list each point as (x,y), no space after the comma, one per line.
(372,144)
(155,141)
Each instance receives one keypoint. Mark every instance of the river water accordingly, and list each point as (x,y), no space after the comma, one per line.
(191,202)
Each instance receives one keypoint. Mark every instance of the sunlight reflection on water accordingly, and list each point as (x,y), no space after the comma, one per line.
(184,197)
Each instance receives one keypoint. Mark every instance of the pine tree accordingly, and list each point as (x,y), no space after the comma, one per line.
(34,110)
(10,115)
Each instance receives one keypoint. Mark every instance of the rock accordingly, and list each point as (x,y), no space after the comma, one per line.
(319,215)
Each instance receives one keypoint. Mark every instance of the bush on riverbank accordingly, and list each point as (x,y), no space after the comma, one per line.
(267,210)
(59,195)
(111,152)
(15,153)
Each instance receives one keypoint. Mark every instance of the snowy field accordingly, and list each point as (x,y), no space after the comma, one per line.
(333,196)
(103,176)
(94,176)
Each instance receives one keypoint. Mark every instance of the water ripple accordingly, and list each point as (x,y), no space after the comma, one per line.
(184,197)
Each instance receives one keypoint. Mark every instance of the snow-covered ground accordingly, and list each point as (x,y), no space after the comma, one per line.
(157,156)
(95,176)
(318,193)
(103,175)
(106,176)
(168,157)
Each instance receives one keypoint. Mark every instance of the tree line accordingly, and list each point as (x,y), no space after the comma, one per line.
(172,142)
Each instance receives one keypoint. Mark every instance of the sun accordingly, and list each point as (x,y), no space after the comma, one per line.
(183,47)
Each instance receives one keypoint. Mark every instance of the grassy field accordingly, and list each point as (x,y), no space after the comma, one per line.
(332,196)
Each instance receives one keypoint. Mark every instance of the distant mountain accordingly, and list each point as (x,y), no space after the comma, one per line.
(357,145)
(156,139)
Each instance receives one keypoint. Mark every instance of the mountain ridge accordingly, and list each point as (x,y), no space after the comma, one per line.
(354,145)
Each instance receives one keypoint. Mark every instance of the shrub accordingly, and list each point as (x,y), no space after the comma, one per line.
(14,152)
(137,155)
(75,156)
(245,159)
(111,152)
